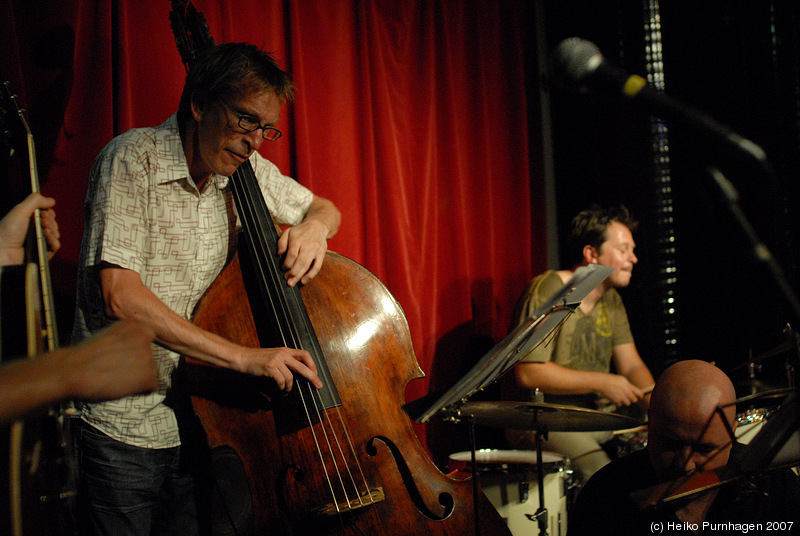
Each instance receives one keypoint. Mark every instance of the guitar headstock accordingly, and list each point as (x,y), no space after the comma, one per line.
(13,125)
(191,31)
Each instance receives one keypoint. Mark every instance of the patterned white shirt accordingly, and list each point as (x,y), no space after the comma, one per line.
(144,213)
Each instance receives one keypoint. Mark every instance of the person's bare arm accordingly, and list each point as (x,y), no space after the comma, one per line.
(555,379)
(629,363)
(116,362)
(126,297)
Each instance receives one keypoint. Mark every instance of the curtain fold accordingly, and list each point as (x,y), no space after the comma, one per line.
(411,116)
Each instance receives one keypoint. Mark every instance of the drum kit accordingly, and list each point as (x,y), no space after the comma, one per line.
(512,479)
(510,482)
(757,399)
(538,486)
(506,476)
(540,417)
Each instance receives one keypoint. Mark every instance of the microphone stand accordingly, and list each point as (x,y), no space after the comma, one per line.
(787,420)
(759,249)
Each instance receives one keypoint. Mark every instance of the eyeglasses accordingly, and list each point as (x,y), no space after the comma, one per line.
(249,124)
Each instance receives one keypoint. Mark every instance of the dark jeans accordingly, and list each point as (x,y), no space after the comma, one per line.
(130,491)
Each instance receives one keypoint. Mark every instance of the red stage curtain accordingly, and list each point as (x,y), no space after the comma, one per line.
(411,116)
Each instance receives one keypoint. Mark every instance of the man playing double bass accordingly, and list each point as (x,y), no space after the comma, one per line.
(160,225)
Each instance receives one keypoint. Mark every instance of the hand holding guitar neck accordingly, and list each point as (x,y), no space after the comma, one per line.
(14,228)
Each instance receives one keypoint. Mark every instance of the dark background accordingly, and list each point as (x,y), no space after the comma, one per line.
(736,61)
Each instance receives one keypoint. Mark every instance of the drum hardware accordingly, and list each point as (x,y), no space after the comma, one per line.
(523,490)
(469,411)
(790,364)
(507,479)
(753,387)
(541,513)
(541,418)
(550,417)
(452,404)
(754,365)
(755,361)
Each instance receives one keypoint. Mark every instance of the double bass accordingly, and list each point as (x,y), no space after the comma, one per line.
(341,460)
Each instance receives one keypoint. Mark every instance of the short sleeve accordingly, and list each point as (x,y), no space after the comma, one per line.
(287,199)
(540,289)
(118,211)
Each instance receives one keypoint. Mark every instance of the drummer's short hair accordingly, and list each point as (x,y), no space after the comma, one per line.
(589,227)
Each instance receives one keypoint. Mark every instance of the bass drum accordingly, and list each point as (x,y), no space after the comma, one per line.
(509,479)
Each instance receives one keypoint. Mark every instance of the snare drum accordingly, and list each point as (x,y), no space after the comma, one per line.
(509,480)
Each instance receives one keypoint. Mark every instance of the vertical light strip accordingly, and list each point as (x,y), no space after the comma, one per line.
(791,86)
(666,240)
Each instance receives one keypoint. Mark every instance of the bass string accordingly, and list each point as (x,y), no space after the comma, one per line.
(248,196)
(344,473)
(359,499)
(255,223)
(337,441)
(351,446)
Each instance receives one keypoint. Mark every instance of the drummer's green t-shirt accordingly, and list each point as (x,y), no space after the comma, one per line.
(584,341)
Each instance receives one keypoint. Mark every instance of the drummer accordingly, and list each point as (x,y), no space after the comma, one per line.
(578,361)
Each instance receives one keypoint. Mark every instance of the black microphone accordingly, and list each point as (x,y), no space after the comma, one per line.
(577,64)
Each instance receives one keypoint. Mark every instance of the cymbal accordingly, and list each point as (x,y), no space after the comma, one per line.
(775,351)
(553,417)
(765,397)
(752,386)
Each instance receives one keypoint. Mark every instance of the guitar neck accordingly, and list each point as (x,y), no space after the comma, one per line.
(48,305)
(48,302)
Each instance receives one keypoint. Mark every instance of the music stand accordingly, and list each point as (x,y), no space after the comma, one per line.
(504,355)
(502,358)
(776,446)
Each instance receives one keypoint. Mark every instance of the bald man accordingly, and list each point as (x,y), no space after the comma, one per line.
(691,421)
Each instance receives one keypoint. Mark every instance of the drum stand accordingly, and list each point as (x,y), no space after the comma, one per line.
(540,516)
(474,467)
(452,403)
(541,513)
